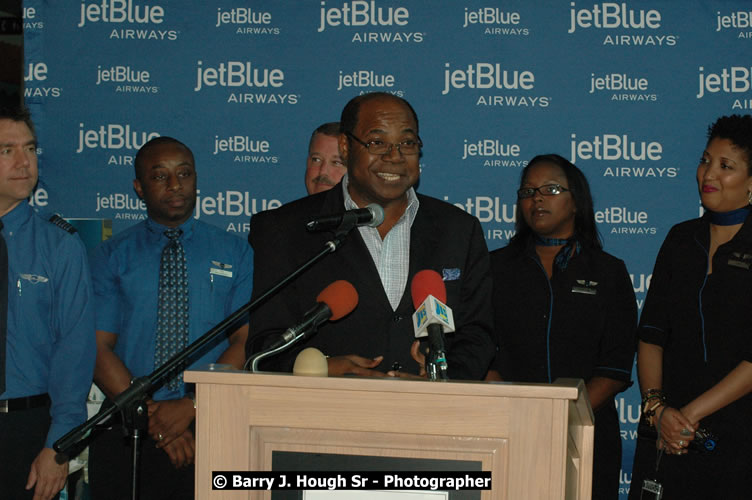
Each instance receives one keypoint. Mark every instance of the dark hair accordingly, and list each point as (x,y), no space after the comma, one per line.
(18,114)
(585,229)
(349,118)
(330,129)
(737,129)
(157,141)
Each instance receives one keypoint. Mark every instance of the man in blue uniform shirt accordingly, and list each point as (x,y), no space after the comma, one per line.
(130,287)
(47,356)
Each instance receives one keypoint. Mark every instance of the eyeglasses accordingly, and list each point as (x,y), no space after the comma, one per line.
(406,147)
(547,190)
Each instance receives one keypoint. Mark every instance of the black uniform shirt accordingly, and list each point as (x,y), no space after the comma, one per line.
(703,321)
(579,324)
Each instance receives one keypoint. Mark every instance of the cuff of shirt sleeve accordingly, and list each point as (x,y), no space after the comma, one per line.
(651,335)
(613,373)
(56,432)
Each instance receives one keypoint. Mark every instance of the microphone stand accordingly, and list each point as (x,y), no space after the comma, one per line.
(436,363)
(132,401)
(436,366)
(256,358)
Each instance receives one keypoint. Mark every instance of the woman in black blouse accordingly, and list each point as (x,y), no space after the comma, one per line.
(564,307)
(695,335)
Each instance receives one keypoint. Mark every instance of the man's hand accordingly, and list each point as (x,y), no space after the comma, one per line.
(182,449)
(353,364)
(169,419)
(46,476)
(419,358)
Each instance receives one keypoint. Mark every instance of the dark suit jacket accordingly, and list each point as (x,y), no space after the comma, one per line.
(443,238)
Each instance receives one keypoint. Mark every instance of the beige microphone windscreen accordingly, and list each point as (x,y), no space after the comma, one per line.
(311,363)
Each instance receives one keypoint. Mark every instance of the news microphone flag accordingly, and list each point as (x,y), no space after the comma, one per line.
(432,312)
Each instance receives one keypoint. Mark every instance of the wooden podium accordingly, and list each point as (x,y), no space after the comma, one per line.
(536,439)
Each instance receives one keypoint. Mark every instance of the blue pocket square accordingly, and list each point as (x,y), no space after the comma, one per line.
(450,274)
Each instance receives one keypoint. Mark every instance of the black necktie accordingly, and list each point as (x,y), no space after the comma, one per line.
(172,312)
(3,305)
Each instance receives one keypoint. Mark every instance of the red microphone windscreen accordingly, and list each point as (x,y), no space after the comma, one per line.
(341,298)
(427,282)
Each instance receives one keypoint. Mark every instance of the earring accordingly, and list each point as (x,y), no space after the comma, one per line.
(749,197)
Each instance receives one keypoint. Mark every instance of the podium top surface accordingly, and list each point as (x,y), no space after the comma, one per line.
(569,389)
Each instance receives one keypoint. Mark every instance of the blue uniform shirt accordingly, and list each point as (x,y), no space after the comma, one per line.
(51,344)
(125,272)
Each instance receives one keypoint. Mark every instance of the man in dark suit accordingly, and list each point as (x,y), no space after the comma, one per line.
(381,147)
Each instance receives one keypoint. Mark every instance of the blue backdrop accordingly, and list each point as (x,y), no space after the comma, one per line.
(626,90)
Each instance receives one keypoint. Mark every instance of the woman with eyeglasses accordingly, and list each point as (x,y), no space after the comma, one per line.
(563,306)
(694,356)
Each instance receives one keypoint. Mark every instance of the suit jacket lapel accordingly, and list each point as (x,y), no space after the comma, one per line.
(424,239)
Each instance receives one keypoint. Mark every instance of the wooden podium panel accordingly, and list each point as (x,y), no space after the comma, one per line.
(536,439)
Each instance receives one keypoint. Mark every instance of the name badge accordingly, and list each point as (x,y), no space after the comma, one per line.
(220,272)
(740,260)
(221,269)
(33,278)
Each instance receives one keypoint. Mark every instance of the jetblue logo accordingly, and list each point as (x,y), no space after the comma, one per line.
(245,149)
(487,208)
(731,80)
(622,87)
(740,19)
(36,73)
(120,11)
(29,15)
(242,15)
(610,147)
(489,147)
(121,74)
(365,78)
(421,316)
(625,221)
(142,21)
(440,311)
(611,15)
(490,15)
(362,13)
(112,136)
(119,201)
(240,144)
(486,76)
(237,74)
(232,203)
(495,21)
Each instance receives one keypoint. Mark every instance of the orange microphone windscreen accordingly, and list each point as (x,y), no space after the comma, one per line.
(341,298)
(427,282)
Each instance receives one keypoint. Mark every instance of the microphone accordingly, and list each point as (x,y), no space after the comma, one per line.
(311,363)
(431,319)
(334,302)
(372,216)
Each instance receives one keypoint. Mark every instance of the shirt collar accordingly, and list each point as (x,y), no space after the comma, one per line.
(17,217)
(412,201)
(159,229)
(744,234)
